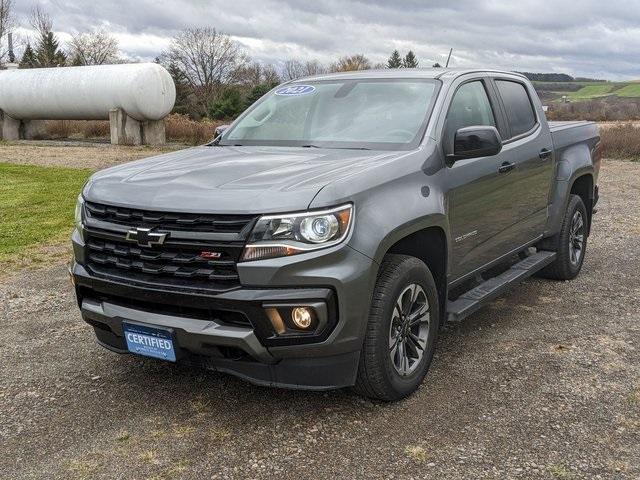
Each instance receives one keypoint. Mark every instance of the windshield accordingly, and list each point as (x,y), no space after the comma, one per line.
(389,114)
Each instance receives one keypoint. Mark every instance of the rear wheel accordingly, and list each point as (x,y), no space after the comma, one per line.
(401,331)
(571,243)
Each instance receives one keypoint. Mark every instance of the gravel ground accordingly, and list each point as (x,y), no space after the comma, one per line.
(76,154)
(543,383)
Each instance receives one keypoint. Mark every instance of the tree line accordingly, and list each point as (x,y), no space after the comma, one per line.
(214,76)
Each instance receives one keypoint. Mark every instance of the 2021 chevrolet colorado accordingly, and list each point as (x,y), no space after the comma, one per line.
(326,235)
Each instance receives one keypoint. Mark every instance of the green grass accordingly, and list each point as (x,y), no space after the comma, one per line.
(36,206)
(631,90)
(591,91)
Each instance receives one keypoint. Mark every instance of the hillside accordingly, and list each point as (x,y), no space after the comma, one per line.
(584,91)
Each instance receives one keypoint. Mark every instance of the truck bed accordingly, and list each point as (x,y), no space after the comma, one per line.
(565,134)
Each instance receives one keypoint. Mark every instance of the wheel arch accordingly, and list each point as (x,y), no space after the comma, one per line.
(429,245)
(582,186)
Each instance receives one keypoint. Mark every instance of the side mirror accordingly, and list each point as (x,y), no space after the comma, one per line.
(220,130)
(475,142)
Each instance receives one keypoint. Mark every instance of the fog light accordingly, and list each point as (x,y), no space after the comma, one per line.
(302,317)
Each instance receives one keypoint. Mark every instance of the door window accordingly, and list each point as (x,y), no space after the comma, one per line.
(470,107)
(517,104)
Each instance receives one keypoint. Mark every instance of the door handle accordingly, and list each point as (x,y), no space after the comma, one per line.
(545,153)
(506,167)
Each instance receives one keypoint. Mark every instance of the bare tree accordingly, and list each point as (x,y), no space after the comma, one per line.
(293,69)
(353,62)
(255,74)
(93,48)
(207,58)
(41,22)
(6,24)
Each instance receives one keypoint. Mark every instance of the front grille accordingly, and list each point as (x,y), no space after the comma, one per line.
(192,222)
(179,261)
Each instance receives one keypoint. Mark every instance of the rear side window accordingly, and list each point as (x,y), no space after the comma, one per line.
(517,103)
(470,107)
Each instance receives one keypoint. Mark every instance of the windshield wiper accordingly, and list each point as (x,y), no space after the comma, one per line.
(335,148)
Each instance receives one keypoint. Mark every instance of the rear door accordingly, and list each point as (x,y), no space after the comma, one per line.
(527,145)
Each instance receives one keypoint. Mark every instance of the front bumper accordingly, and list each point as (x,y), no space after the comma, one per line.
(342,279)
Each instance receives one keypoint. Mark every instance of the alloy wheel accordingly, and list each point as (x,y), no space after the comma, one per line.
(409,329)
(576,238)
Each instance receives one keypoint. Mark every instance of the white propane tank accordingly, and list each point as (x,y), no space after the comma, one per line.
(145,91)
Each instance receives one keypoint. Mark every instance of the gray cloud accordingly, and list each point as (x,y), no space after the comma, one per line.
(587,38)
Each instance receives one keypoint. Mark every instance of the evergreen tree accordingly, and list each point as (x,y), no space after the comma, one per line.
(48,53)
(395,61)
(77,61)
(256,93)
(28,58)
(228,106)
(410,60)
(185,103)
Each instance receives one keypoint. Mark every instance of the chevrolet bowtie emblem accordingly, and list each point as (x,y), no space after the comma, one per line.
(144,237)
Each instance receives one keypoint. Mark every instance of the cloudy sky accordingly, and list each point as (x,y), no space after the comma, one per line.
(594,38)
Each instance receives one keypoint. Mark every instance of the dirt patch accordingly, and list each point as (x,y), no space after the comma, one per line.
(543,383)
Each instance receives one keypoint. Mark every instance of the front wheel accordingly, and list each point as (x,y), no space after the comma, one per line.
(401,332)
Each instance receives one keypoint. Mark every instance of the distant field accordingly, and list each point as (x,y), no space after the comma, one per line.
(591,91)
(631,90)
(584,91)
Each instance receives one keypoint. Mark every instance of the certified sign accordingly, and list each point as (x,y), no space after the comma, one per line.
(293,90)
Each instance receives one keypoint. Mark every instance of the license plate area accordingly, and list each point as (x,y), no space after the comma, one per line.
(154,342)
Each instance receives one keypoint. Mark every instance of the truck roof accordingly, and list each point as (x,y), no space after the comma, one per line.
(434,73)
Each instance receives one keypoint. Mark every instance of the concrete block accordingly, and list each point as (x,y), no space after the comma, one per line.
(153,133)
(124,129)
(116,125)
(34,129)
(10,128)
(132,131)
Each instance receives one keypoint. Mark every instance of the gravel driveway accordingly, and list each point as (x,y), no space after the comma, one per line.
(543,383)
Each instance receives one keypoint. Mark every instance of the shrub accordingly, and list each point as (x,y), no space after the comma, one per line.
(180,128)
(598,110)
(621,141)
(77,129)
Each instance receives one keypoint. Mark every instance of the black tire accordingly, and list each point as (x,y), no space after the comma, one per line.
(378,377)
(566,266)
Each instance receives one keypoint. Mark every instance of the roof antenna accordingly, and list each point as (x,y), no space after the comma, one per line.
(12,57)
(449,58)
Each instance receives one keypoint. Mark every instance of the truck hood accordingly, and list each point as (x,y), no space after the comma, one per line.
(228,179)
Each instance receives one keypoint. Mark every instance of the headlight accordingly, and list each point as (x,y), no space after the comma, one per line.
(78,218)
(283,235)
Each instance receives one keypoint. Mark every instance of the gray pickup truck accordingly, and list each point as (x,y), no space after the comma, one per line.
(324,237)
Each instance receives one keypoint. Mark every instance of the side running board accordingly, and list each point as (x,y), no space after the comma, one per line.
(474,299)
